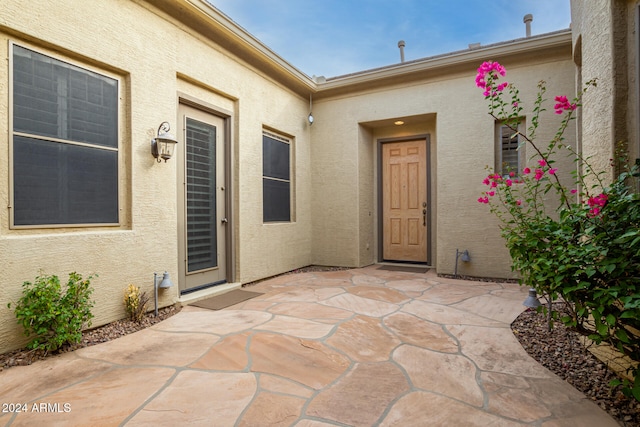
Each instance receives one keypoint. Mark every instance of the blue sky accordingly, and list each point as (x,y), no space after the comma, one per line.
(335,37)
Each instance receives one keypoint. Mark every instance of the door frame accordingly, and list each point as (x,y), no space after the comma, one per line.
(229,188)
(380,143)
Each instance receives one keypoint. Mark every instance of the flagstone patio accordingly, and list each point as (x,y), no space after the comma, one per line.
(361,347)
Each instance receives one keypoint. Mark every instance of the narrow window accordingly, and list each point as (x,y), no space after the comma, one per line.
(64,143)
(276,178)
(509,152)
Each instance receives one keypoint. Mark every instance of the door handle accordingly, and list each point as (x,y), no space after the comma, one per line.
(424,217)
(224,220)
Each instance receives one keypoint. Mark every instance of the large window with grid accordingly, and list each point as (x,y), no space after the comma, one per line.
(509,149)
(276,177)
(64,147)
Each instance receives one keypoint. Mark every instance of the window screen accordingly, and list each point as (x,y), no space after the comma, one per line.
(276,181)
(65,143)
(509,152)
(202,247)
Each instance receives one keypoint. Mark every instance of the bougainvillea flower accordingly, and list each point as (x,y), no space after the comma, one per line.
(542,162)
(596,203)
(563,104)
(526,171)
(599,200)
(508,182)
(574,191)
(486,181)
(493,69)
(553,171)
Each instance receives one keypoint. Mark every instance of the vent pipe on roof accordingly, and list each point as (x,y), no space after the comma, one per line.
(401,45)
(527,21)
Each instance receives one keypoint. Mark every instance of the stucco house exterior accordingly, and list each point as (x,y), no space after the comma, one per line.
(253,190)
(605,40)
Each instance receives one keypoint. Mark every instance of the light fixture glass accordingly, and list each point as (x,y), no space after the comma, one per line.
(162,146)
(398,123)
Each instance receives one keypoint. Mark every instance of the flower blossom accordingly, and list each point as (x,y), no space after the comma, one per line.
(493,69)
(539,174)
(518,202)
(596,203)
(508,182)
(542,162)
(563,104)
(553,171)
(526,171)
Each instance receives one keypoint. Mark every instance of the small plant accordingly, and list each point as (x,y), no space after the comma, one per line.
(135,302)
(52,317)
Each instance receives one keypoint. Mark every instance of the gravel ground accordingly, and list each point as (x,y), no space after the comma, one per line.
(101,334)
(560,351)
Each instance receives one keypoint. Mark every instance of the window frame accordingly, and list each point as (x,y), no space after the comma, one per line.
(80,65)
(499,148)
(279,137)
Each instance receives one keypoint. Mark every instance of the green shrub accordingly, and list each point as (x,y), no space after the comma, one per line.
(51,317)
(579,244)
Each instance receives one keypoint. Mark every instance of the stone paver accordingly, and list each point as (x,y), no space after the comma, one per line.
(358,347)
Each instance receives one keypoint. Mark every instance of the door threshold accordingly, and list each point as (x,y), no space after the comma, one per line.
(405,264)
(191,297)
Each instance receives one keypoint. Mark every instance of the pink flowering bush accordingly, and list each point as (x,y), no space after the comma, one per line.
(576,243)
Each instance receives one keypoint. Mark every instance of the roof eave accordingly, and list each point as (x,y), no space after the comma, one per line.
(551,44)
(204,18)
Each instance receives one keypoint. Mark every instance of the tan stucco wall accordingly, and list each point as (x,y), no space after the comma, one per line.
(156,61)
(335,173)
(452,111)
(605,44)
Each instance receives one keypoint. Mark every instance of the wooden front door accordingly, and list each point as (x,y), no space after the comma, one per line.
(404,201)
(202,218)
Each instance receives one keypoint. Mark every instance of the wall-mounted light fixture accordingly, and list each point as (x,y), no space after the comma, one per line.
(166,283)
(310,117)
(464,256)
(162,146)
(398,123)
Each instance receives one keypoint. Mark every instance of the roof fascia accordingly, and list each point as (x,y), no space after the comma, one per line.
(539,48)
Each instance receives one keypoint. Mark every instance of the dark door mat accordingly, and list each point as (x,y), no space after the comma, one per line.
(225,300)
(403,268)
